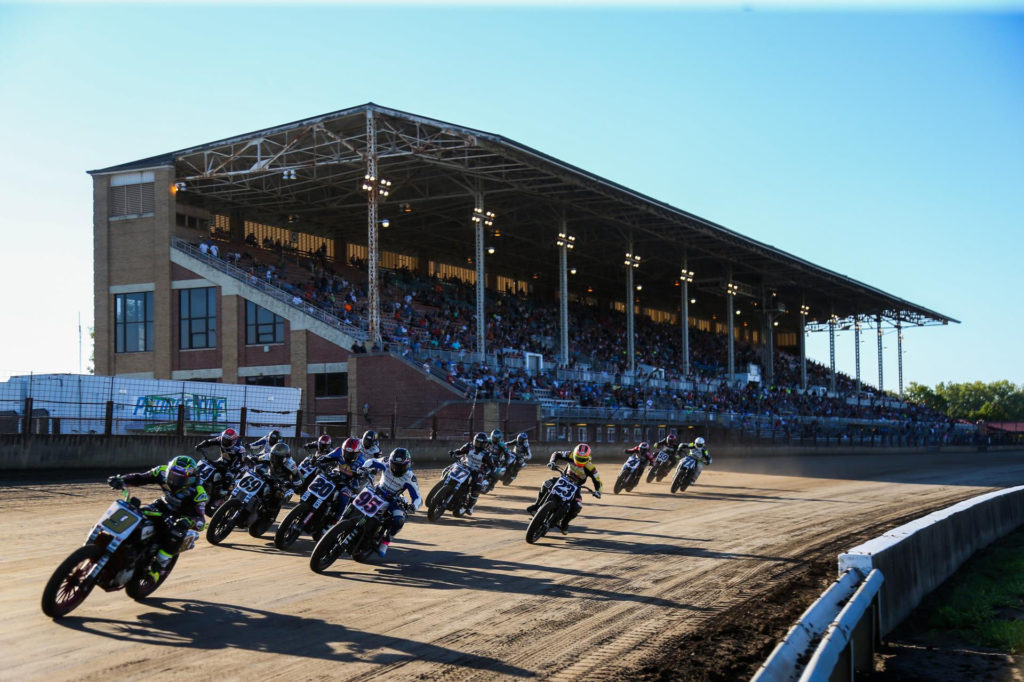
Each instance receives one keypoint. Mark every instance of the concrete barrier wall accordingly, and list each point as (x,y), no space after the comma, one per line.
(42,452)
(917,557)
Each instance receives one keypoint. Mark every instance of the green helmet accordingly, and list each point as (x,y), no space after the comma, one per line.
(180,472)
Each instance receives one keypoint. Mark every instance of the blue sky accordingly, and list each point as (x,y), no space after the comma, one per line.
(885,145)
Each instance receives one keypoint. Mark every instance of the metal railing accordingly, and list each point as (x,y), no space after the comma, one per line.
(356,332)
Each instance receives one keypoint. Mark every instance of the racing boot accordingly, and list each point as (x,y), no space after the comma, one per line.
(159,564)
(472,504)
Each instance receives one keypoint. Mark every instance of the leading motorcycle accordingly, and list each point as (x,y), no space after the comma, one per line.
(118,553)
(555,505)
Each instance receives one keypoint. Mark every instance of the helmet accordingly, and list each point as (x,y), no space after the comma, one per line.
(350,449)
(399,461)
(522,439)
(480,440)
(581,454)
(228,438)
(180,472)
(496,436)
(369,439)
(699,442)
(323,443)
(644,447)
(670,439)
(280,451)
(273,438)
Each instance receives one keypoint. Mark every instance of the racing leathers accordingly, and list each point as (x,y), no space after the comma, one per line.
(391,487)
(173,514)
(578,474)
(349,477)
(480,461)
(282,474)
(520,452)
(645,456)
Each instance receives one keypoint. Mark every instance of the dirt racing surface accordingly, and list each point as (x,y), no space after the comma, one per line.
(647,584)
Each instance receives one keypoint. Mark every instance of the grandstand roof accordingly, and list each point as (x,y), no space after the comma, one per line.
(436,168)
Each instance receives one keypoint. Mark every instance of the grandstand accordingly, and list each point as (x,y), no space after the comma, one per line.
(476,267)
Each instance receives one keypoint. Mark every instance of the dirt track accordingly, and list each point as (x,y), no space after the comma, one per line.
(463,598)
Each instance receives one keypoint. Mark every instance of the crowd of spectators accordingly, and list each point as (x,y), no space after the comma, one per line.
(428,313)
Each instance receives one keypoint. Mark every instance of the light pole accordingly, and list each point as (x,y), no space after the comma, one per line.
(480,220)
(804,312)
(376,188)
(731,289)
(686,277)
(632,262)
(565,242)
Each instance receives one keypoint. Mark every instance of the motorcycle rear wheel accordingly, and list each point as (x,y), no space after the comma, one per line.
(327,549)
(141,584)
(70,585)
(292,526)
(223,522)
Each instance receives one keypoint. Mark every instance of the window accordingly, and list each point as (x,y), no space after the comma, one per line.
(582,432)
(133,322)
(198,318)
(130,195)
(611,434)
(598,434)
(330,385)
(262,326)
(269,380)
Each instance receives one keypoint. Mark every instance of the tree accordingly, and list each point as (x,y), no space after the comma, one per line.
(995,401)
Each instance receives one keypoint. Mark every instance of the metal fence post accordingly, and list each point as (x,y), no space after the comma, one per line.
(108,419)
(298,423)
(26,422)
(242,417)
(179,426)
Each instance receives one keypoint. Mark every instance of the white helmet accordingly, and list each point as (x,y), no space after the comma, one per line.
(699,442)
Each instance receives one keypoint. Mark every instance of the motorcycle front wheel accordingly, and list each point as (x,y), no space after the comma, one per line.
(433,492)
(70,584)
(291,528)
(329,548)
(223,522)
(439,503)
(541,522)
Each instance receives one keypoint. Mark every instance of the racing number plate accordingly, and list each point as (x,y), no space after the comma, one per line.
(321,488)
(120,520)
(250,484)
(565,489)
(662,456)
(458,474)
(368,502)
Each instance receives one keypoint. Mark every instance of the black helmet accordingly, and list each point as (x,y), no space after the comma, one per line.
(399,461)
(496,436)
(369,439)
(480,440)
(280,451)
(522,439)
(273,438)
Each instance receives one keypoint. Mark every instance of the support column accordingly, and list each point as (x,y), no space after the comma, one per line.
(629,319)
(478,213)
(803,342)
(231,320)
(878,322)
(684,315)
(730,313)
(372,256)
(856,351)
(899,353)
(832,352)
(769,339)
(563,293)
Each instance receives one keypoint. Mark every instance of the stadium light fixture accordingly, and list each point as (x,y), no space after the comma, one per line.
(482,216)
(566,240)
(632,260)
(490,250)
(385,223)
(686,276)
(288,174)
(572,271)
(805,310)
(693,300)
(379,185)
(732,289)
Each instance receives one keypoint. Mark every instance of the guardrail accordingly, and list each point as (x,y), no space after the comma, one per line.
(833,639)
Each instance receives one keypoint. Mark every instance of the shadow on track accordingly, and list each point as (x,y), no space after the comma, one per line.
(449,570)
(197,624)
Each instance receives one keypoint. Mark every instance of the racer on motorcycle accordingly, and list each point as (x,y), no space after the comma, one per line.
(397,477)
(701,454)
(232,454)
(670,445)
(371,444)
(281,470)
(180,509)
(265,444)
(321,445)
(350,460)
(478,458)
(520,449)
(580,467)
(646,455)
